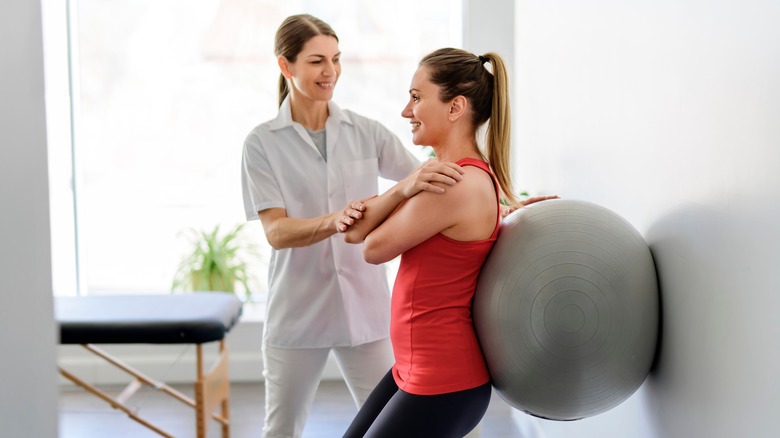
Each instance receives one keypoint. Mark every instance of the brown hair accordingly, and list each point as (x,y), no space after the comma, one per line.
(460,73)
(294,32)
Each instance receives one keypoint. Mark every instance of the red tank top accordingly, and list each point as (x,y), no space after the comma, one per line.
(431,329)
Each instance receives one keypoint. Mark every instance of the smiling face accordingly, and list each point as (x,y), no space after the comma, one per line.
(425,111)
(316,69)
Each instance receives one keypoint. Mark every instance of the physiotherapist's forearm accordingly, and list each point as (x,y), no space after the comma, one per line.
(288,232)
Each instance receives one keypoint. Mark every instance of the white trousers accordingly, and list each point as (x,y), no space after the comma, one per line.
(292,377)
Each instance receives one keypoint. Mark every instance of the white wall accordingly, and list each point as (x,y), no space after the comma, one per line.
(28,397)
(488,26)
(668,113)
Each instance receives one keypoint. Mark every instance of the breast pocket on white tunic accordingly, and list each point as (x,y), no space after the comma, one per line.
(360,178)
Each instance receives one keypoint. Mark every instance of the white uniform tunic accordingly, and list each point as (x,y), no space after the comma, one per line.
(325,294)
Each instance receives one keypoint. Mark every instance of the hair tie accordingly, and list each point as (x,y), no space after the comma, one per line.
(483,59)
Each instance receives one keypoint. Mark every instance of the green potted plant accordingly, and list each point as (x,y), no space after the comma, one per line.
(217,262)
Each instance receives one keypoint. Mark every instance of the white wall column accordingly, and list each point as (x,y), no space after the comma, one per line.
(28,389)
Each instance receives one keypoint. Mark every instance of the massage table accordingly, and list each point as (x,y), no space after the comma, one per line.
(191,318)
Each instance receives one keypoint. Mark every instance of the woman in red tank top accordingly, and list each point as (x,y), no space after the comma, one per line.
(439,385)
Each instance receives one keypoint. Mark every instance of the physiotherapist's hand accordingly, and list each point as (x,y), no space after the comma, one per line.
(352,212)
(507,210)
(430,172)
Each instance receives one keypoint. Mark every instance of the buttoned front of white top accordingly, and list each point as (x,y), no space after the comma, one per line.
(325,294)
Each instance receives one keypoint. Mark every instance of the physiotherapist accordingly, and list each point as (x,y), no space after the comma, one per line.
(301,173)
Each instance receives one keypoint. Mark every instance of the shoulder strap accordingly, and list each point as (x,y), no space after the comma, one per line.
(484,166)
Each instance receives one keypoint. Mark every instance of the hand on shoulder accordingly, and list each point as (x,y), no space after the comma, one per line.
(431,176)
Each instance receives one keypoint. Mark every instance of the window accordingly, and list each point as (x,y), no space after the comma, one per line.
(164,93)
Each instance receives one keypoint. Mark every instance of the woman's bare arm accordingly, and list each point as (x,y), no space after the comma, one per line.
(466,211)
(430,178)
(282,231)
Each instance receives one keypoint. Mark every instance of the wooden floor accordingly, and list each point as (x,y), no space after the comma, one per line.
(82,415)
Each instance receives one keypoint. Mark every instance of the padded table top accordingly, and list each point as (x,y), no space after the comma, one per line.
(190,318)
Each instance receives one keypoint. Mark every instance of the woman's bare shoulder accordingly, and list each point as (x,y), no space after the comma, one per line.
(476,181)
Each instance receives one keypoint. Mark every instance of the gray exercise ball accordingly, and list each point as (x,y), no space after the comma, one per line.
(566,310)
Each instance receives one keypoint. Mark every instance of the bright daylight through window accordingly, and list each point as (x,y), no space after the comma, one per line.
(165,93)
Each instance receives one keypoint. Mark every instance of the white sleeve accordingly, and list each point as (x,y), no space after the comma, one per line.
(395,161)
(258,182)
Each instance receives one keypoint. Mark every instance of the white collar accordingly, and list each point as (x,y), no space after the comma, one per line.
(284,118)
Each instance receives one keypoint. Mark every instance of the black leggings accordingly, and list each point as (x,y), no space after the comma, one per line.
(391,412)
